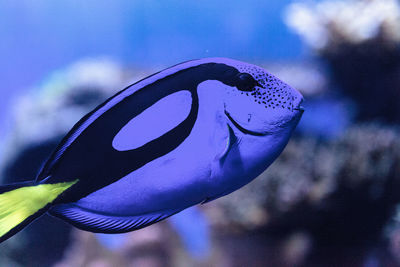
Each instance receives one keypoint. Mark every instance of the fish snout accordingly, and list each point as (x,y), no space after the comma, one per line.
(298,100)
(278,95)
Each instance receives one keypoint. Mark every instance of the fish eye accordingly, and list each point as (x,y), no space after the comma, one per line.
(245,82)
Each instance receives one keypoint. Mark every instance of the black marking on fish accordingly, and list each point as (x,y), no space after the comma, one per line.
(243,130)
(86,153)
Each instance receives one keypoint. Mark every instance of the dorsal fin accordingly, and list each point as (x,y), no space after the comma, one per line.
(101,223)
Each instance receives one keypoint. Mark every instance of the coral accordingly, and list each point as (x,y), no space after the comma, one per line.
(360,43)
(328,24)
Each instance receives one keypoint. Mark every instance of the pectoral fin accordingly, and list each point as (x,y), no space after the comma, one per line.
(226,145)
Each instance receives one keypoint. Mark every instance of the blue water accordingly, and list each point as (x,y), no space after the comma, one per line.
(192,227)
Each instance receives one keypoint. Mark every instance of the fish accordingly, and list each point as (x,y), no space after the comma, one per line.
(183,136)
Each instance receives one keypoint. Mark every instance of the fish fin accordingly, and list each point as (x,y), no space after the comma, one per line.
(101,223)
(21,204)
(10,187)
(230,139)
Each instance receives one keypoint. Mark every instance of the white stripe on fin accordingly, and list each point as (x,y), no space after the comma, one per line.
(153,122)
(99,223)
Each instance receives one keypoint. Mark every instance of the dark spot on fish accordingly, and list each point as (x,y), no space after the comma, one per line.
(245,82)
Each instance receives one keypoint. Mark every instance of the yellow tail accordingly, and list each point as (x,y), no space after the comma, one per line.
(20,206)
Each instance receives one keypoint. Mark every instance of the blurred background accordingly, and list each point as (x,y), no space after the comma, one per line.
(330,199)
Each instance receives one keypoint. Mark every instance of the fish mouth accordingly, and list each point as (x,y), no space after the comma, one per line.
(243,130)
(300,109)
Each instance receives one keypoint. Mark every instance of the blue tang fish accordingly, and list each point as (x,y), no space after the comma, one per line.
(183,136)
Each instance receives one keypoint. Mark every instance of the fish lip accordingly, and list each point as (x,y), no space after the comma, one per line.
(300,108)
(243,130)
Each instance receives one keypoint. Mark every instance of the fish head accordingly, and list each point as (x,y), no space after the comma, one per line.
(260,104)
(262,111)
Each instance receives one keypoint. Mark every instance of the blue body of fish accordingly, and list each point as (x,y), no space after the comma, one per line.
(186,135)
